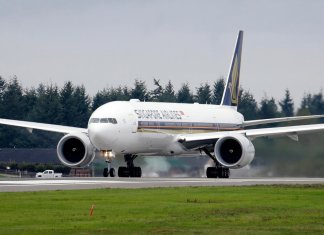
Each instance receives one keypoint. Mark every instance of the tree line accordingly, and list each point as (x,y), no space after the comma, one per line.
(71,105)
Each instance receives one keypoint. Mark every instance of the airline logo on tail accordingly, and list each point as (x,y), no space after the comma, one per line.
(231,91)
(234,83)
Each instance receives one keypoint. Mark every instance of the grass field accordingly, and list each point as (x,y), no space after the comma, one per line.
(194,210)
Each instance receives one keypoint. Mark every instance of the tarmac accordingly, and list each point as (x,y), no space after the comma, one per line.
(21,185)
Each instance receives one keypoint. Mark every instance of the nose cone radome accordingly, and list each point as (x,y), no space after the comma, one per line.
(101,136)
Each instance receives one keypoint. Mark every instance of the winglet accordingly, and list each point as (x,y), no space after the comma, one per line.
(231,91)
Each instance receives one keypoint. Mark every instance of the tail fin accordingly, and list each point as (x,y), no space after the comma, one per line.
(231,91)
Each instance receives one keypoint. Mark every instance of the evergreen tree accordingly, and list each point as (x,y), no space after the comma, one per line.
(304,106)
(110,94)
(287,105)
(121,94)
(30,100)
(268,109)
(157,92)
(99,99)
(12,100)
(47,107)
(184,94)
(218,91)
(312,104)
(82,101)
(68,105)
(13,107)
(317,104)
(168,94)
(140,91)
(247,105)
(3,84)
(3,129)
(203,94)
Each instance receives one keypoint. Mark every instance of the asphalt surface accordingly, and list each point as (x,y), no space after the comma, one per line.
(20,185)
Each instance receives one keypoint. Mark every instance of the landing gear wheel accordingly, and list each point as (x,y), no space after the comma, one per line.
(139,172)
(211,172)
(112,172)
(226,173)
(130,170)
(123,171)
(223,172)
(135,172)
(105,172)
(218,172)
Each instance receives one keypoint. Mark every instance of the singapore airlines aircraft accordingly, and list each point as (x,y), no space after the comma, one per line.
(133,128)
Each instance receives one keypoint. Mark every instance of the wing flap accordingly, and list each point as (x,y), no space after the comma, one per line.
(42,126)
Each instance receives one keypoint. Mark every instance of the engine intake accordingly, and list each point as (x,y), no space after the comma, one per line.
(234,151)
(75,150)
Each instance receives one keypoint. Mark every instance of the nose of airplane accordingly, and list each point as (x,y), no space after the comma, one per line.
(101,136)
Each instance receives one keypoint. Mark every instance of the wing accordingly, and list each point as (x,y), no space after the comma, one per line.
(196,141)
(275,120)
(42,126)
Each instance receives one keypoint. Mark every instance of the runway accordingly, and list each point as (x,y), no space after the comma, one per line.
(20,185)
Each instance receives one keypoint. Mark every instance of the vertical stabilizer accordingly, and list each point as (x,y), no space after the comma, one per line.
(231,91)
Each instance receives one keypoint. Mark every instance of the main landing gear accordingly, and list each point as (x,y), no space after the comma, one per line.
(218,171)
(130,170)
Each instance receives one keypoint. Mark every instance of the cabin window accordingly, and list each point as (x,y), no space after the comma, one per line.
(145,123)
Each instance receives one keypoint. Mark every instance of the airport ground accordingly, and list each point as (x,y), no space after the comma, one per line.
(69,183)
(267,209)
(249,205)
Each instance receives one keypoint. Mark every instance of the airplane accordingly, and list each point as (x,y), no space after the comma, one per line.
(134,128)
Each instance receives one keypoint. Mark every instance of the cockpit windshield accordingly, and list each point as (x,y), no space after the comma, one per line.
(103,120)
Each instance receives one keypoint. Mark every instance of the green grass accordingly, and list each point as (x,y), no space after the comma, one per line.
(194,210)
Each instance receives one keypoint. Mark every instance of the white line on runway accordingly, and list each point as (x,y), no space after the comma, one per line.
(154,180)
(56,182)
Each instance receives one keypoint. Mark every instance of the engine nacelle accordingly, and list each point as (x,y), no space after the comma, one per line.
(234,151)
(75,150)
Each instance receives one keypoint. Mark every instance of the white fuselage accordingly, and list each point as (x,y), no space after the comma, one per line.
(152,128)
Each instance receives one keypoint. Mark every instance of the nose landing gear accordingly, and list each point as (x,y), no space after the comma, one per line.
(109,171)
(109,155)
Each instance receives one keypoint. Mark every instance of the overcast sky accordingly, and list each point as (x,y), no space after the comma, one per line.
(107,43)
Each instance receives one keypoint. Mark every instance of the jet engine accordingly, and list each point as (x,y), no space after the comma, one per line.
(234,151)
(75,150)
